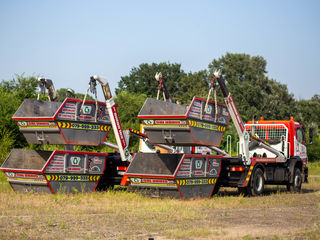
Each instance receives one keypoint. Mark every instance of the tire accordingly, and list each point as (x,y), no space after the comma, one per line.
(295,186)
(256,185)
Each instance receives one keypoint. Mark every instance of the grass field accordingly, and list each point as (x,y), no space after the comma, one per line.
(118,214)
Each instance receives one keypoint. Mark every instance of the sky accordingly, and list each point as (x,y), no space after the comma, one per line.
(69,41)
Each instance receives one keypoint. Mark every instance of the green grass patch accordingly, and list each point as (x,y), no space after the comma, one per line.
(314,168)
(3,177)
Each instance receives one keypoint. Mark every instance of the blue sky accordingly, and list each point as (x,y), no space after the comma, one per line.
(68,41)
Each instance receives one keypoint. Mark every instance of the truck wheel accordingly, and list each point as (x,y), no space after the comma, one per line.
(256,185)
(295,186)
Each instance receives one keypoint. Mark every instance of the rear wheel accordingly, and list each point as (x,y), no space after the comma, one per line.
(295,186)
(256,185)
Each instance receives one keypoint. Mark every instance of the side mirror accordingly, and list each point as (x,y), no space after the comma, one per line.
(310,135)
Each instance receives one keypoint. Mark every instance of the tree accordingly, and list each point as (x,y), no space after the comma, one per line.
(308,111)
(64,93)
(278,102)
(23,87)
(141,80)
(253,92)
(13,93)
(129,107)
(192,84)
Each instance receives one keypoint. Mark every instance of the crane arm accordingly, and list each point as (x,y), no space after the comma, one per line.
(113,114)
(236,118)
(241,130)
(47,84)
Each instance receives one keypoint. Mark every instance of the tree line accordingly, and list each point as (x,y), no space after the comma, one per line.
(255,95)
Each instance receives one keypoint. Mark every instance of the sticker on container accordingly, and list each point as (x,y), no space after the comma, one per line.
(86,109)
(75,160)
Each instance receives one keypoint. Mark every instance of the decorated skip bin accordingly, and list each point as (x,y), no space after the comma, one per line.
(55,171)
(174,175)
(201,123)
(43,122)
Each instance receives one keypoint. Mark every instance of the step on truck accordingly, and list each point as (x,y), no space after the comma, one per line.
(270,152)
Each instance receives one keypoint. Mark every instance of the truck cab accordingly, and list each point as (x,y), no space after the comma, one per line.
(286,136)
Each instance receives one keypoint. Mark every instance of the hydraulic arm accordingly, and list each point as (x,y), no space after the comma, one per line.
(115,122)
(241,130)
(236,118)
(46,85)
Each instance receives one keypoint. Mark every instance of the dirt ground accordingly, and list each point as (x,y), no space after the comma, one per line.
(299,220)
(271,222)
(122,215)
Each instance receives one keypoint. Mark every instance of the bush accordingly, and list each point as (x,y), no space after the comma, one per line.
(313,150)
(6,144)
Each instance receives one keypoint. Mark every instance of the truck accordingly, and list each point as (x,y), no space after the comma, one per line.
(270,151)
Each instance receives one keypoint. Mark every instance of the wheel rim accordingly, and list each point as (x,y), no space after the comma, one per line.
(258,183)
(297,181)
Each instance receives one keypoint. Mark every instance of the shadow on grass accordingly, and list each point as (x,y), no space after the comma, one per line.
(115,188)
(267,191)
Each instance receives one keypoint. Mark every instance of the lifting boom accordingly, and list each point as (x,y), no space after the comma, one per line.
(241,130)
(115,122)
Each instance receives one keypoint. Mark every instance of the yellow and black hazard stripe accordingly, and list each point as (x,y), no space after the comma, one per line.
(193,123)
(94,178)
(104,128)
(64,125)
(248,176)
(181,182)
(53,177)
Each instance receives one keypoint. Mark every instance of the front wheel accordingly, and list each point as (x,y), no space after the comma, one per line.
(295,186)
(256,185)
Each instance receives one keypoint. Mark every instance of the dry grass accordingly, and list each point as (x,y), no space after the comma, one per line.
(118,214)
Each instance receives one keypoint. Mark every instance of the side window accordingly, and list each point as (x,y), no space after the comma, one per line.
(300,135)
